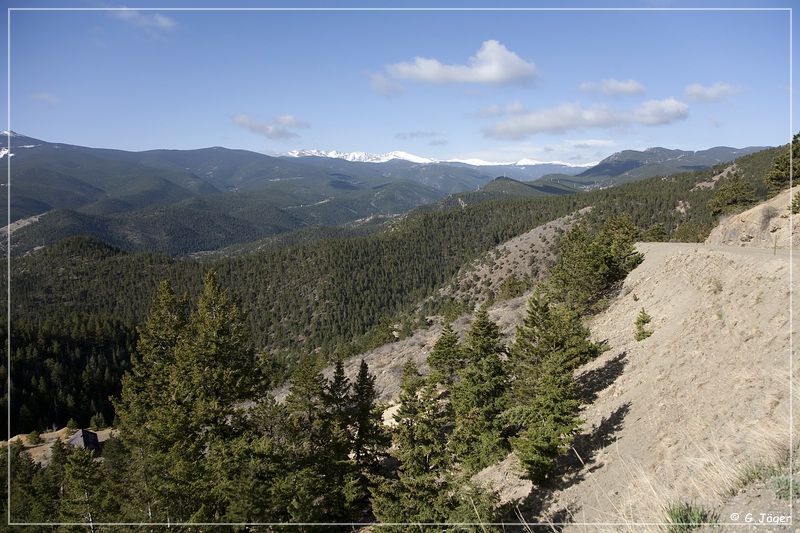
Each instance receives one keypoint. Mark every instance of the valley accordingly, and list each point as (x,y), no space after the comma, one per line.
(682,415)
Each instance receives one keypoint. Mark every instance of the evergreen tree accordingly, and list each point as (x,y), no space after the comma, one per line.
(80,499)
(28,499)
(338,397)
(479,397)
(592,263)
(370,438)
(656,233)
(320,480)
(179,409)
(427,488)
(731,194)
(641,321)
(779,176)
(446,357)
(550,420)
(549,345)
(419,492)
(145,409)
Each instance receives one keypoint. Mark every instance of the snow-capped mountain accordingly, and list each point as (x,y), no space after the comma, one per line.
(361,157)
(365,157)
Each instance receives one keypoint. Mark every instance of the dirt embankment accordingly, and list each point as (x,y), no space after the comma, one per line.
(767,225)
(679,416)
(682,415)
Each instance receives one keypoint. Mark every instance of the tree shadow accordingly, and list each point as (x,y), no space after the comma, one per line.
(572,467)
(585,447)
(592,382)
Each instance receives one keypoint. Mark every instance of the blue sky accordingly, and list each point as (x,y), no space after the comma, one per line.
(499,85)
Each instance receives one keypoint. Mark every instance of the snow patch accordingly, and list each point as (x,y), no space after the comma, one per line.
(361,157)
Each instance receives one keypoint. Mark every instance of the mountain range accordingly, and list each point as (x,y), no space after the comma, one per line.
(186,201)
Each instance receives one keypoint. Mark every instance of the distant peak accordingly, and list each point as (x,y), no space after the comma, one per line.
(361,157)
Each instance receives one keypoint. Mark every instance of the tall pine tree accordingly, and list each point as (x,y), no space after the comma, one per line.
(180,406)
(479,396)
(550,344)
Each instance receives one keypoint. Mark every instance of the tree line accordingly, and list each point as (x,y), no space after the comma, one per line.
(75,304)
(200,439)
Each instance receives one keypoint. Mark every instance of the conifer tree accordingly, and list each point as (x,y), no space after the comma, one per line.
(446,357)
(551,419)
(179,407)
(591,263)
(320,478)
(80,498)
(418,493)
(779,177)
(549,345)
(479,397)
(338,397)
(730,194)
(370,438)
(145,408)
(427,488)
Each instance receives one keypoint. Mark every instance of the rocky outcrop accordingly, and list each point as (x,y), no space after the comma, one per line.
(765,226)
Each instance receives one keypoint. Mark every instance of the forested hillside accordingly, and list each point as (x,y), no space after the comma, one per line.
(75,304)
(181,354)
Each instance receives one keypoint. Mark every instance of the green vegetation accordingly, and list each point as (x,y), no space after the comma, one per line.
(641,322)
(685,516)
(180,355)
(731,194)
(330,293)
(780,177)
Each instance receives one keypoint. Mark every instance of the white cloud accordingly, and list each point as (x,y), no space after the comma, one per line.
(276,130)
(659,112)
(45,98)
(153,23)
(574,117)
(716,93)
(291,122)
(492,64)
(565,117)
(612,87)
(384,85)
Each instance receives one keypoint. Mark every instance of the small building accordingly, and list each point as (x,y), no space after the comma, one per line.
(83,438)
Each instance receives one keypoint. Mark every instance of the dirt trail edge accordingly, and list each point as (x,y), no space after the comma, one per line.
(679,416)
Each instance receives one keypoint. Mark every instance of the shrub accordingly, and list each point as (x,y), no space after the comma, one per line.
(683,516)
(785,487)
(641,321)
(34,438)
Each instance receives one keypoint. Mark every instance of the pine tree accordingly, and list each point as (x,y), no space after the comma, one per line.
(419,492)
(779,177)
(80,499)
(730,194)
(179,409)
(447,356)
(320,477)
(146,418)
(338,397)
(479,396)
(549,345)
(427,487)
(370,438)
(592,263)
(641,321)
(549,422)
